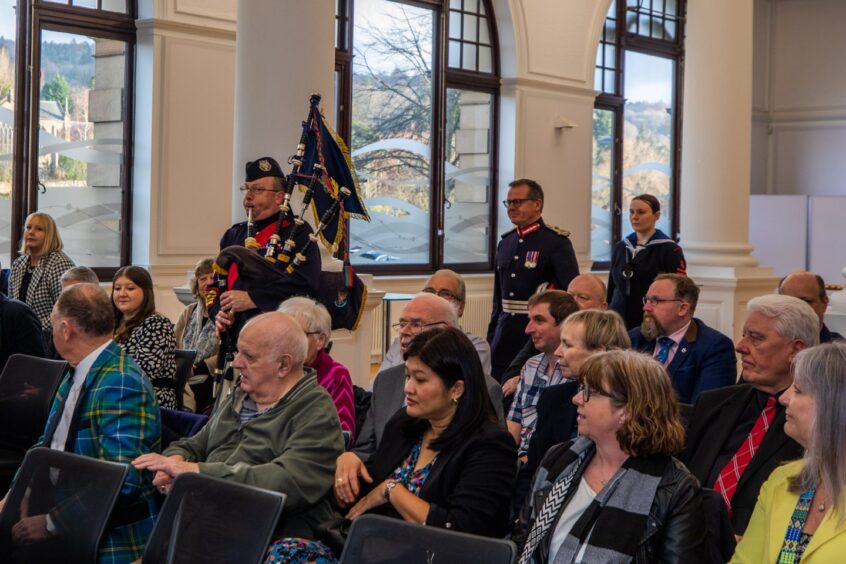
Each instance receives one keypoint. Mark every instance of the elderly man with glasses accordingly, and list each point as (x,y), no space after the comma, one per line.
(697,357)
(263,191)
(425,311)
(449,285)
(531,258)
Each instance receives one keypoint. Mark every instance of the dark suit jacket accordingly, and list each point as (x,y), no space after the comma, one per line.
(555,424)
(704,360)
(388,396)
(715,415)
(468,488)
(20,330)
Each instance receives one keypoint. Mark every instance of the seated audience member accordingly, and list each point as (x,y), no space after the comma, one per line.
(195,331)
(278,430)
(696,357)
(589,292)
(423,312)
(78,275)
(147,336)
(449,285)
(444,460)
(104,409)
(615,493)
(546,312)
(20,330)
(800,511)
(736,434)
(332,375)
(583,334)
(810,288)
(34,276)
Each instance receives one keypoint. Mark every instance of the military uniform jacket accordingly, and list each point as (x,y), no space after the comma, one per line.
(304,281)
(527,259)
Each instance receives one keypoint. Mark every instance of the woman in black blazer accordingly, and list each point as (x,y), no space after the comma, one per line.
(444,460)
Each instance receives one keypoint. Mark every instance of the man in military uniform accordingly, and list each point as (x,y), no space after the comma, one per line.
(263,191)
(531,257)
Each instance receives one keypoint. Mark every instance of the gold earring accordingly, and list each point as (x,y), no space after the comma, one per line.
(455,401)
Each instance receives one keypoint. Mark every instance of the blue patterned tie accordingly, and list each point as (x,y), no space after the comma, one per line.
(665,343)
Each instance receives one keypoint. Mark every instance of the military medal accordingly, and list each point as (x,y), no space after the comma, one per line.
(531,259)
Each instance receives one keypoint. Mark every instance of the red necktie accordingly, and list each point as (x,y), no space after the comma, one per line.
(727,481)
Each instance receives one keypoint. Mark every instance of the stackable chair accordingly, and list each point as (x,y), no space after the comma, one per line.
(184,362)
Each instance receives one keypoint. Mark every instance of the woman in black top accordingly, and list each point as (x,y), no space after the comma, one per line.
(444,460)
(639,258)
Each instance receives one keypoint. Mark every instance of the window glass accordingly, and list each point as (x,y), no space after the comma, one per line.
(648,134)
(602,193)
(392,131)
(80,143)
(8,51)
(467,176)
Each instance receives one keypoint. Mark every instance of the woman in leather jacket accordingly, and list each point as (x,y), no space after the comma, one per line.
(615,494)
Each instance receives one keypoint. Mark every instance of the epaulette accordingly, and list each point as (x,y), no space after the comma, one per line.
(558,230)
(507,233)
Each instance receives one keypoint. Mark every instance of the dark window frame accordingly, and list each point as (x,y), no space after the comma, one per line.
(445,77)
(33,16)
(615,102)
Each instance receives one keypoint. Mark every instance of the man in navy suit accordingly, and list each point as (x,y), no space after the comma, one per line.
(697,357)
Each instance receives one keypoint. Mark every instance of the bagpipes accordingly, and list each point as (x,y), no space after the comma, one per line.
(320,163)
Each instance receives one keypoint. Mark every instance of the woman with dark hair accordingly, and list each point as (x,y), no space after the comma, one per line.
(195,331)
(616,494)
(35,276)
(444,460)
(145,335)
(639,258)
(801,509)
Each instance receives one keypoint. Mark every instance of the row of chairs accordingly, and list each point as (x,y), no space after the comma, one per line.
(203,519)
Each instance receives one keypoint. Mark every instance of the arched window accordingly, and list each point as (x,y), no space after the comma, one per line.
(637,117)
(418,91)
(65,134)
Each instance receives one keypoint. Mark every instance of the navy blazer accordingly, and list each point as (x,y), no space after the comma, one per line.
(704,360)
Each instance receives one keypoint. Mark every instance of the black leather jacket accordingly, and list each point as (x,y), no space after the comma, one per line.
(676,528)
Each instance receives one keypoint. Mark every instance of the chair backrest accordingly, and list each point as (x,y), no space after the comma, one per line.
(78,492)
(27,387)
(375,538)
(184,363)
(178,424)
(210,520)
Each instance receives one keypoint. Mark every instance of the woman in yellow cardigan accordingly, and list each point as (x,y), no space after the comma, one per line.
(801,510)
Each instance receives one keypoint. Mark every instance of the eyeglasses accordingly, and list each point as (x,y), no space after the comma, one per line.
(517,202)
(445,294)
(254,191)
(655,300)
(415,325)
(587,391)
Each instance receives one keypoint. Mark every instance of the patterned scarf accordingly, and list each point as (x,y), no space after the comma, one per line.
(199,337)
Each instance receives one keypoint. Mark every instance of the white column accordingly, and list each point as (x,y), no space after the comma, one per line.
(716,154)
(285,50)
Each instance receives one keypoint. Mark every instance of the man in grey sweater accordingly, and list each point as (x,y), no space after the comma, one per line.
(279,429)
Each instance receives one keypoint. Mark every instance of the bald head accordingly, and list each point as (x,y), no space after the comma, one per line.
(808,287)
(278,333)
(588,291)
(423,312)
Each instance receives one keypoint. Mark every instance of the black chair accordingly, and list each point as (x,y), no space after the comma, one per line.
(27,387)
(77,492)
(210,520)
(685,412)
(184,363)
(375,538)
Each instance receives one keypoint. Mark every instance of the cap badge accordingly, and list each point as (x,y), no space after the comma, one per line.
(264,166)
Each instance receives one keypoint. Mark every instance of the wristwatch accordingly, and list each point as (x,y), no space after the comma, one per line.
(386,493)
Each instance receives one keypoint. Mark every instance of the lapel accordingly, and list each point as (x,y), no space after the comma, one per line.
(36,278)
(684,349)
(398,388)
(827,531)
(718,428)
(103,363)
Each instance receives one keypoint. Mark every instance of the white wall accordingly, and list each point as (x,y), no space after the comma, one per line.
(799,107)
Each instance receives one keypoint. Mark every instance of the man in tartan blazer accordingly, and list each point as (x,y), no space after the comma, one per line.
(105,408)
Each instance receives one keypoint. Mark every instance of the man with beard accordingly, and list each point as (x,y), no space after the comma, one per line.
(697,357)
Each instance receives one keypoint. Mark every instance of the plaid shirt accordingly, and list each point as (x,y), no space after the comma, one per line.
(533,380)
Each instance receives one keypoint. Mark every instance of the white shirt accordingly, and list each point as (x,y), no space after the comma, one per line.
(578,503)
(60,437)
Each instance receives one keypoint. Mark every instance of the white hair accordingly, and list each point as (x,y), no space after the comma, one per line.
(312,315)
(794,319)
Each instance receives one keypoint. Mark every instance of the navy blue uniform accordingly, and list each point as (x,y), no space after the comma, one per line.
(267,295)
(527,259)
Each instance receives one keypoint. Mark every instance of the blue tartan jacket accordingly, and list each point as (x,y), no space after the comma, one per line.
(116,419)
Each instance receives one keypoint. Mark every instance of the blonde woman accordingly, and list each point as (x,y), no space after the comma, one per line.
(36,275)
